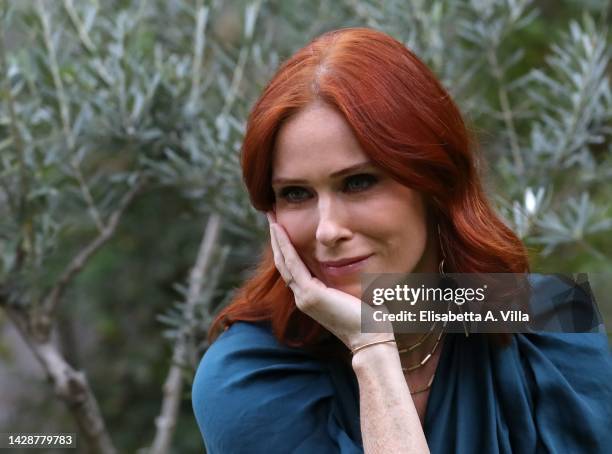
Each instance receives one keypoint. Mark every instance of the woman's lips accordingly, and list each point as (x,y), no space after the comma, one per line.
(346,269)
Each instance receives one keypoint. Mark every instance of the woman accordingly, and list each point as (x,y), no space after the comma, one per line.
(362,163)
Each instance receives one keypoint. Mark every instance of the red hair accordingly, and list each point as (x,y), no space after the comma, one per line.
(408,125)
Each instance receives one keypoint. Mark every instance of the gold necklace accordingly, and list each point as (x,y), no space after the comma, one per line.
(426,387)
(418,343)
(426,358)
(424,361)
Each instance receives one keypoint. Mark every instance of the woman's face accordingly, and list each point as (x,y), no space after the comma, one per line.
(335,205)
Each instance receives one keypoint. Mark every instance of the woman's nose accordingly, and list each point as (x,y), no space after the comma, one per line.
(332,223)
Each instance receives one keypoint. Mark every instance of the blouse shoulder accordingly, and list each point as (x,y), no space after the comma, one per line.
(250,390)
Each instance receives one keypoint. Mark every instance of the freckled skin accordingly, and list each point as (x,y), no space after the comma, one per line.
(337,218)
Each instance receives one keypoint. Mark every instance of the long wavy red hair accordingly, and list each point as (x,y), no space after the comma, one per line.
(408,125)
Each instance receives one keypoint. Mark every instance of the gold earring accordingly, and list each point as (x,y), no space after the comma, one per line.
(441,271)
(441,266)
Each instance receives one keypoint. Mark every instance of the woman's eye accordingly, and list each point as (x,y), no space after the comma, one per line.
(358,183)
(294,194)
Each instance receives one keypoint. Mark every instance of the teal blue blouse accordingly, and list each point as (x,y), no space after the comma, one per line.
(543,393)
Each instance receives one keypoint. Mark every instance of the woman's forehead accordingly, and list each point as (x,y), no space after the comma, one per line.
(318,123)
(317,136)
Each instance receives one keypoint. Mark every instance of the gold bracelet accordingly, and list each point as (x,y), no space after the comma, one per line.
(355,350)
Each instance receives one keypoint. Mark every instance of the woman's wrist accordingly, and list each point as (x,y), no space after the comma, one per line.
(354,350)
(374,355)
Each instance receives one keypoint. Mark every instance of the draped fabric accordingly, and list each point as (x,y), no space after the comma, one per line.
(253,395)
(545,392)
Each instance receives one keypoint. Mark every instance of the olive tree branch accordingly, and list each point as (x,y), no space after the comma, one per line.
(65,115)
(230,97)
(55,74)
(18,208)
(172,389)
(52,299)
(17,139)
(506,111)
(70,385)
(198,50)
(87,42)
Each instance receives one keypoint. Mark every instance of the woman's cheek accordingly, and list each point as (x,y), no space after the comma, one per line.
(295,224)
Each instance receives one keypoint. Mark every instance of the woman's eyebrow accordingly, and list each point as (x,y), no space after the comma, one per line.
(339,173)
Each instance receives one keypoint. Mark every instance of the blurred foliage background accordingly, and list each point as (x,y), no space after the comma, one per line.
(103,97)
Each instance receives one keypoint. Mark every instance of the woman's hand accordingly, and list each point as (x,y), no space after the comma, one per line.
(387,412)
(337,311)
